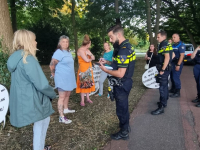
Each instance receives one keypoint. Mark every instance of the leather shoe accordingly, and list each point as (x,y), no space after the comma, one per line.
(158,111)
(196,100)
(121,135)
(158,103)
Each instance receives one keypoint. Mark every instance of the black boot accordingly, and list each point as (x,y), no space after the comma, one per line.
(159,110)
(121,135)
(158,103)
(196,100)
(129,128)
(176,94)
(198,105)
(172,90)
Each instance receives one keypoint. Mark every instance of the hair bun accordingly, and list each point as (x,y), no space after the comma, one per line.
(86,40)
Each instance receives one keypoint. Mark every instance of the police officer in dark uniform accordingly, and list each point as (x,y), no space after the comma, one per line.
(177,65)
(196,70)
(123,67)
(165,52)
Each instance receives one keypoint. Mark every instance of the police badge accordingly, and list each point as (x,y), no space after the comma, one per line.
(122,58)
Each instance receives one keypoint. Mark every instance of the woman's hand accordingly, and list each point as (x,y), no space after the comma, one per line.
(52,74)
(103,68)
(91,56)
(102,60)
(88,53)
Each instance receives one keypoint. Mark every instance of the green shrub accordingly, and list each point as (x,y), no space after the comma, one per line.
(4,73)
(97,47)
(47,37)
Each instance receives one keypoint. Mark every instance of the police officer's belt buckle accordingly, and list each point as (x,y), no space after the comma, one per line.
(114,81)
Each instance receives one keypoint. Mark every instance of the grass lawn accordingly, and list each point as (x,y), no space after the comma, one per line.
(91,125)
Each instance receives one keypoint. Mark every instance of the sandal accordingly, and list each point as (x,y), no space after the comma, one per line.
(47,147)
(82,104)
(98,94)
(89,101)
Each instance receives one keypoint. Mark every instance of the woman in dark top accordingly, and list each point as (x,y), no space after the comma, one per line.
(151,56)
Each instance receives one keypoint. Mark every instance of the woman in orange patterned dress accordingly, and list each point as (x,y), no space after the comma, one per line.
(84,60)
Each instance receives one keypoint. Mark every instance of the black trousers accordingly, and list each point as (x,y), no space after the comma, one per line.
(121,94)
(164,88)
(196,71)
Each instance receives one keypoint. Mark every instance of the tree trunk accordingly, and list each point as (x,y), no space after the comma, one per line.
(148,12)
(118,22)
(157,20)
(5,25)
(74,28)
(13,15)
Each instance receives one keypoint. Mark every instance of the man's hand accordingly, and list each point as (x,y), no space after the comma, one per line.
(177,68)
(161,72)
(103,68)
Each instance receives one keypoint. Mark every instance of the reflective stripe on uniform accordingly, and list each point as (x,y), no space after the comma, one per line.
(129,58)
(167,49)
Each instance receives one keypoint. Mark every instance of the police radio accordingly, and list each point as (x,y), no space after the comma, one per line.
(110,92)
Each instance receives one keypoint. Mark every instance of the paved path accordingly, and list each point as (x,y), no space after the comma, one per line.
(177,129)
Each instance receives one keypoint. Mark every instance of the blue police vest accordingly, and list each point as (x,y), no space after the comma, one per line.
(175,49)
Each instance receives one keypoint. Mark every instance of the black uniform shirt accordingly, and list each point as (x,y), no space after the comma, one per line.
(163,48)
(124,57)
(197,57)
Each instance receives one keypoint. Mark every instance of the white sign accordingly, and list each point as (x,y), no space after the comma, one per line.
(148,78)
(4,102)
(96,75)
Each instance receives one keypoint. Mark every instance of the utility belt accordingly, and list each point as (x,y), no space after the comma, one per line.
(159,67)
(115,81)
(175,60)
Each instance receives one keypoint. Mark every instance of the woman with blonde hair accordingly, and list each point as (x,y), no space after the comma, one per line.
(30,92)
(108,55)
(84,60)
(62,69)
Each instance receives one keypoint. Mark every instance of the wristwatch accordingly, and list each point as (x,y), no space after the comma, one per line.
(162,70)
(177,65)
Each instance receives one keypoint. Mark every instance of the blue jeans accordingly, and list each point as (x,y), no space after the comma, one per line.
(39,133)
(103,77)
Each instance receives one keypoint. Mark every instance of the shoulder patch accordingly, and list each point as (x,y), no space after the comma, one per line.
(122,58)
